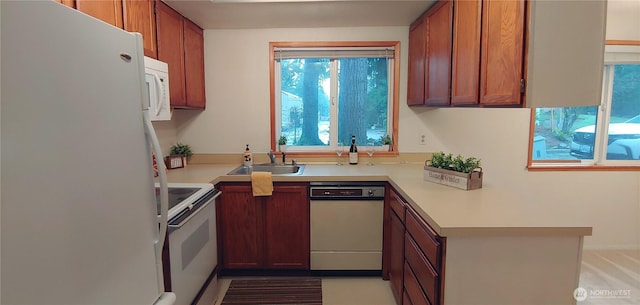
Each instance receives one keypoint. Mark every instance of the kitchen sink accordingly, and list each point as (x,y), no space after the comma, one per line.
(275,169)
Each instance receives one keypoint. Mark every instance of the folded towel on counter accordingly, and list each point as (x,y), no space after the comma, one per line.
(261,183)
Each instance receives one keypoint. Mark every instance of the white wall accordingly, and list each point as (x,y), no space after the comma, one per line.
(609,201)
(237,88)
(623,19)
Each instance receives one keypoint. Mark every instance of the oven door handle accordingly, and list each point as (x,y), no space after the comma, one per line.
(178,226)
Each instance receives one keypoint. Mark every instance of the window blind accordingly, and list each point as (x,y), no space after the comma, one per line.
(334,52)
(617,54)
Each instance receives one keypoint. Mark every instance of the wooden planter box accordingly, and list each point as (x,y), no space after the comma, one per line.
(175,161)
(464,181)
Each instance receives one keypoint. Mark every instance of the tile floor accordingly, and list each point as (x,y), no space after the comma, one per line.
(602,272)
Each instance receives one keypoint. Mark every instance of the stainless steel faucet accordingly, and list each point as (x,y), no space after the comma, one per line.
(272,157)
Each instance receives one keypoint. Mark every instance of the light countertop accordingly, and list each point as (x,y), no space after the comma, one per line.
(451,212)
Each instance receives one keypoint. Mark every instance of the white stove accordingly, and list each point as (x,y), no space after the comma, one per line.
(192,245)
(184,195)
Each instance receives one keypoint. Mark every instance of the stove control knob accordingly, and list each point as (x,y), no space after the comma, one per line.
(370,193)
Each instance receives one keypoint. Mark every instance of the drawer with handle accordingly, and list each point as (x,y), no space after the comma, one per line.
(425,238)
(425,274)
(412,287)
(398,206)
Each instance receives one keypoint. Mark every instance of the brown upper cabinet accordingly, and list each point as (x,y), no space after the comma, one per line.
(181,46)
(130,15)
(69,3)
(438,52)
(167,36)
(139,16)
(473,53)
(501,50)
(171,49)
(466,52)
(430,48)
(504,51)
(194,65)
(109,11)
(415,87)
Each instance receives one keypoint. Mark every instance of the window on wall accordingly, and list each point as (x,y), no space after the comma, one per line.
(323,93)
(605,135)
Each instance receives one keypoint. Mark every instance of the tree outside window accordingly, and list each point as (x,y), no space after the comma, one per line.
(325,99)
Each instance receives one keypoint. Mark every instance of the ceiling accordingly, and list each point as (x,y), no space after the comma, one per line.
(246,14)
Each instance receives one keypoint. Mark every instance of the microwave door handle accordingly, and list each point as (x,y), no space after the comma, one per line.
(159,94)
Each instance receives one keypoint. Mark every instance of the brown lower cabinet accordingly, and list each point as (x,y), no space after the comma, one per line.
(396,252)
(406,300)
(425,275)
(413,255)
(412,287)
(270,232)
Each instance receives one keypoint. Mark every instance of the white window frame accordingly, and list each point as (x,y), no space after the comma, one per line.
(333,98)
(614,55)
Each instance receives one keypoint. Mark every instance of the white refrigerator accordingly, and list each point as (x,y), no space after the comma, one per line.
(79,221)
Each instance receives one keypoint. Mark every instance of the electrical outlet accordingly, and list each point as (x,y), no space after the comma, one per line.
(423,140)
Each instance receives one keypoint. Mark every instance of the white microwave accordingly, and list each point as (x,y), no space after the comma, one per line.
(157,79)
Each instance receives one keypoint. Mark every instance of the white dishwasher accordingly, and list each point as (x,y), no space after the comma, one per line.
(346,225)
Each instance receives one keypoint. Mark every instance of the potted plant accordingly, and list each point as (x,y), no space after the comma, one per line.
(282,143)
(386,142)
(183,150)
(458,172)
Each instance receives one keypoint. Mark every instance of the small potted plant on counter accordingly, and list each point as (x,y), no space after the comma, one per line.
(182,150)
(458,172)
(282,143)
(386,142)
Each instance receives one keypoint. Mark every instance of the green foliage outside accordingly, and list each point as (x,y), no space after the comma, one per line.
(362,99)
(626,91)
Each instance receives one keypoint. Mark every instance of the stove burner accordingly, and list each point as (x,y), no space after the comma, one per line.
(176,195)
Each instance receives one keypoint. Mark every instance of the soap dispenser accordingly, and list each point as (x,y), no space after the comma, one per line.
(247,157)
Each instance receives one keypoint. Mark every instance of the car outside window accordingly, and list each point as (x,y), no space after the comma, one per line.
(604,135)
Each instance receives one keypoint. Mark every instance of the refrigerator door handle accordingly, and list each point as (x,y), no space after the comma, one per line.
(159,95)
(164,195)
